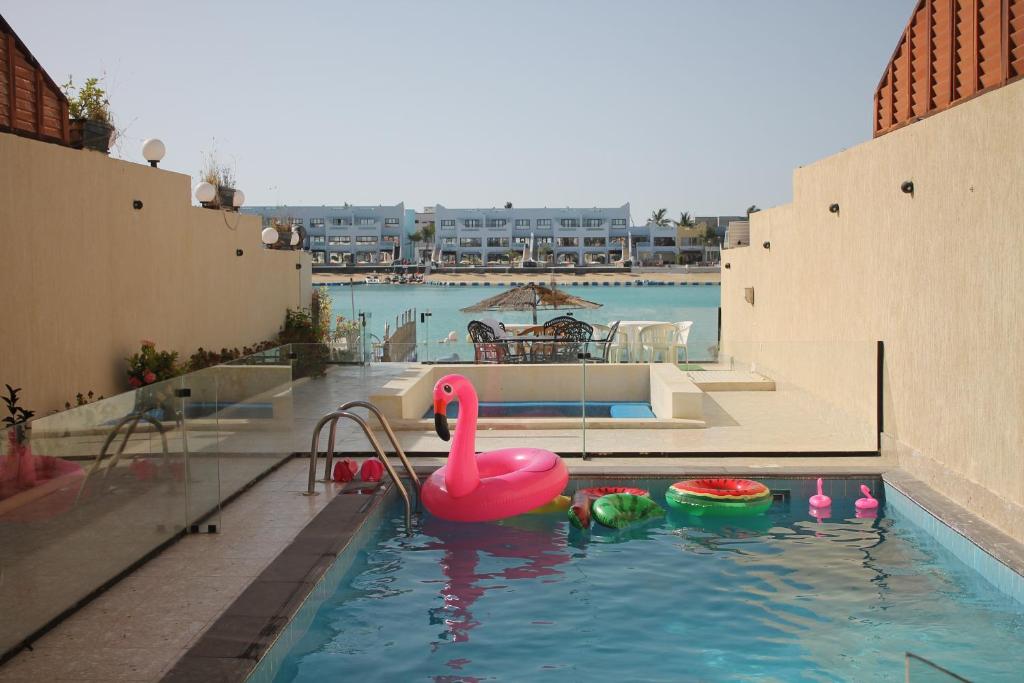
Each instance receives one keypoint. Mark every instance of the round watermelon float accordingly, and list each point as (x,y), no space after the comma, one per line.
(722,497)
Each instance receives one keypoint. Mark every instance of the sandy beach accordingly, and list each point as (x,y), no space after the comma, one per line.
(559,278)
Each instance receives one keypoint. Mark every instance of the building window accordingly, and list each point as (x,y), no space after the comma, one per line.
(496,222)
(318,257)
(316,222)
(449,241)
(543,222)
(570,223)
(568,241)
(340,221)
(334,239)
(447,223)
(390,221)
(317,239)
(366,239)
(497,242)
(393,239)
(619,222)
(522,222)
(336,257)
(366,221)
(470,242)
(664,241)
(544,240)
(594,241)
(296,222)
(472,222)
(520,240)
(592,222)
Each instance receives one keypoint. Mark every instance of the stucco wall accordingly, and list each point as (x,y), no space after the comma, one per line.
(937,276)
(85,276)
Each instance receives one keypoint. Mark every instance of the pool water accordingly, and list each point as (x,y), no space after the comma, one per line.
(675,303)
(782,597)
(616,409)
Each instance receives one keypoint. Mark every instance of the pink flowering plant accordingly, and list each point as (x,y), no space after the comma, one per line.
(149,365)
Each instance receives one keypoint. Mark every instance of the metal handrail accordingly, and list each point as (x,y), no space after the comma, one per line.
(386,426)
(313,452)
(132,420)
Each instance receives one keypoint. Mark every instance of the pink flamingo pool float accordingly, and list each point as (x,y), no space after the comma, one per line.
(487,486)
(867,502)
(820,500)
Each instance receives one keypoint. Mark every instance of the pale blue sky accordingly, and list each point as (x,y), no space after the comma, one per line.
(684,104)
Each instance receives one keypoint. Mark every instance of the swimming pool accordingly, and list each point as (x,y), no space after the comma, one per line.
(612,409)
(783,597)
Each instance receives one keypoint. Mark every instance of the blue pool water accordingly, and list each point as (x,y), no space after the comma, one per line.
(384,302)
(620,409)
(781,597)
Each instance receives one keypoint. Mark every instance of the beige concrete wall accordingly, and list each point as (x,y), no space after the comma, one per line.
(85,276)
(937,276)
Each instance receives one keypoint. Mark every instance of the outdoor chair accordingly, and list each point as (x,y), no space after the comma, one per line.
(488,347)
(659,342)
(683,334)
(605,345)
(571,337)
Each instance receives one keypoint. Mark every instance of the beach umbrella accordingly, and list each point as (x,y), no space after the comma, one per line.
(531,298)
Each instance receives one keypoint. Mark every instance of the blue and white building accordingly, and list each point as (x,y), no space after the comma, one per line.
(566,236)
(345,235)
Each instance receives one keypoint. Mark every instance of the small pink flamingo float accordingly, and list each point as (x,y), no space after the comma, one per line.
(484,487)
(820,500)
(866,506)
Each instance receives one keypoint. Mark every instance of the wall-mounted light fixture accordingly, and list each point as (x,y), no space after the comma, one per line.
(204,192)
(728,266)
(153,151)
(269,236)
(137,204)
(767,245)
(238,252)
(298,266)
(238,199)
(833,208)
(294,239)
(907,187)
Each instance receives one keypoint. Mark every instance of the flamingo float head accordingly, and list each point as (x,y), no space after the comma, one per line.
(450,388)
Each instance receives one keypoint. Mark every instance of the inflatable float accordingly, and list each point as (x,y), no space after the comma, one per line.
(722,497)
(583,501)
(483,487)
(619,510)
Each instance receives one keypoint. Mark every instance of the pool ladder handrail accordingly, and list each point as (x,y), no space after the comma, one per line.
(344,411)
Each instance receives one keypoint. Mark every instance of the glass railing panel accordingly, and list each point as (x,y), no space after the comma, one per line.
(201,410)
(84,494)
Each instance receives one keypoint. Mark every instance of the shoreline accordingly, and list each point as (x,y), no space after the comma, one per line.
(509,278)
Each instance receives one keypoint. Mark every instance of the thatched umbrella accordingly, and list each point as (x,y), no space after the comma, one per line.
(530,298)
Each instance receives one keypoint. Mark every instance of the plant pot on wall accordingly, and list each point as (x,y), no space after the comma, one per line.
(225,197)
(90,134)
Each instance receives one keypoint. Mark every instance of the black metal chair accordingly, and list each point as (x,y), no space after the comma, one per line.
(488,347)
(571,337)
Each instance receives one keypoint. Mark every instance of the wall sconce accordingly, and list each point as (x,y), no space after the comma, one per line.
(767,245)
(728,266)
(153,151)
(205,192)
(269,236)
(238,252)
(298,266)
(907,187)
(294,239)
(137,204)
(238,199)
(833,208)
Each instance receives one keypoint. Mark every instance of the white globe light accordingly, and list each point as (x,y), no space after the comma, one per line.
(269,236)
(153,150)
(295,239)
(238,199)
(205,192)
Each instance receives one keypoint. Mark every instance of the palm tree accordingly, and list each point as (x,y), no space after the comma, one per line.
(659,218)
(415,238)
(543,250)
(428,231)
(753,208)
(508,205)
(685,220)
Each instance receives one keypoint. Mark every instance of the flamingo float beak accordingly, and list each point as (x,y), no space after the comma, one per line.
(441,420)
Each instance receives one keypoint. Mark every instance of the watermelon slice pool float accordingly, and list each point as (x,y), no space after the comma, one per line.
(722,497)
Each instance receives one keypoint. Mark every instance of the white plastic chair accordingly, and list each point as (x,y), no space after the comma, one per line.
(682,336)
(659,341)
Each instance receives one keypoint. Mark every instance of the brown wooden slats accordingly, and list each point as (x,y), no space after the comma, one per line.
(950,51)
(30,102)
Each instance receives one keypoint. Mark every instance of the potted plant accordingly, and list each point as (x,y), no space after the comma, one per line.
(222,177)
(89,111)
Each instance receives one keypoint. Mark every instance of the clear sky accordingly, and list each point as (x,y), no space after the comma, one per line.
(704,106)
